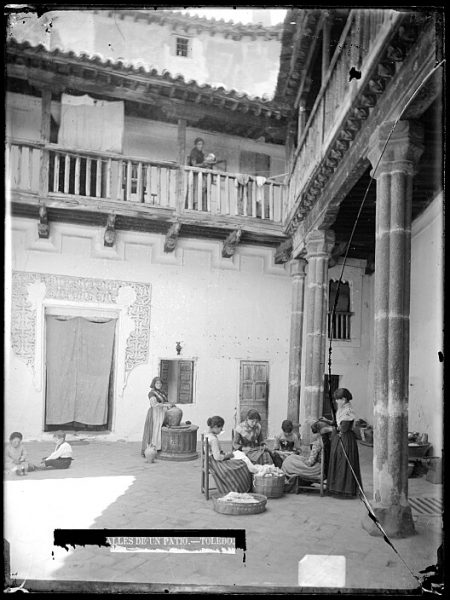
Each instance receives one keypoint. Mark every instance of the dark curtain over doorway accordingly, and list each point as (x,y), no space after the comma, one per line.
(79,360)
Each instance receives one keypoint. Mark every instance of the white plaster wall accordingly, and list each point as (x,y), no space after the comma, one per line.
(143,138)
(426,322)
(247,65)
(221,310)
(351,359)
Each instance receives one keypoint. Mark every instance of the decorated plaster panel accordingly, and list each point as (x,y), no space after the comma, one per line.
(30,291)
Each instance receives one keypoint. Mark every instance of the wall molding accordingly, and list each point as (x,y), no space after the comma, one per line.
(127,239)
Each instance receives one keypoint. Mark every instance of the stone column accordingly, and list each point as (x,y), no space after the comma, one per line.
(297,268)
(394,177)
(319,245)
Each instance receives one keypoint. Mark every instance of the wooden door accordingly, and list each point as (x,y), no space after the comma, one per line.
(254,386)
(326,408)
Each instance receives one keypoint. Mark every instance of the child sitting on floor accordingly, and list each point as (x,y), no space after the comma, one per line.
(62,455)
(16,460)
(286,443)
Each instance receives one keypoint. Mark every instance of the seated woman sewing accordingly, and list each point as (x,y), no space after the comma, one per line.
(230,475)
(249,439)
(307,468)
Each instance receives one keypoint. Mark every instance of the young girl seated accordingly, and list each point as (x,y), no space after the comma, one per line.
(286,443)
(248,438)
(62,455)
(229,474)
(16,460)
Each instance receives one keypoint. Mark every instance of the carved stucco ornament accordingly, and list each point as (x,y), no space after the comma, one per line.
(30,290)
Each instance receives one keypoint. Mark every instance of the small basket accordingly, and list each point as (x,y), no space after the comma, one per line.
(239,508)
(271,487)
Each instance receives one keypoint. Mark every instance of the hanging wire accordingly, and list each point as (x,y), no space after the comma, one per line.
(362,495)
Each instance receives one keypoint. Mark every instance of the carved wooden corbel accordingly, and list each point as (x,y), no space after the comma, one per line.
(110,231)
(230,244)
(386,70)
(43,226)
(338,250)
(172,237)
(283,252)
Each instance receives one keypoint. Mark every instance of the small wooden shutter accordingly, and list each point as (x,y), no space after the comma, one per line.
(164,374)
(185,381)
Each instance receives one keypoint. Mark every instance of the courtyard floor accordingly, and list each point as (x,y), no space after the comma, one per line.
(110,486)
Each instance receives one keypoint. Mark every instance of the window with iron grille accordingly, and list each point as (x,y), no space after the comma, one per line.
(182,46)
(339,320)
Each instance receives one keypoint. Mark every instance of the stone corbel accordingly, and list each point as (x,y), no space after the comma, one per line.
(172,237)
(43,226)
(230,244)
(110,231)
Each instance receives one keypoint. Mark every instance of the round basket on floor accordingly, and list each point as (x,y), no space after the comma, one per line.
(271,487)
(240,508)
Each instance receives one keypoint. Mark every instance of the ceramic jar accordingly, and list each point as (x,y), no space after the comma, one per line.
(173,417)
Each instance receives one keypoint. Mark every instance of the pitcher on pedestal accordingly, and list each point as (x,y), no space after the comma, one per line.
(159,408)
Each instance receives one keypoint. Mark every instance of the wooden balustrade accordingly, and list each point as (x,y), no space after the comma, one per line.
(362,37)
(109,177)
(126,179)
(339,325)
(222,193)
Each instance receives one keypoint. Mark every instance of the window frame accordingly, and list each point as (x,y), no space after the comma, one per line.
(183,38)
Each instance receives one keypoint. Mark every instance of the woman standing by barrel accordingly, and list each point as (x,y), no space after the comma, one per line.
(155,415)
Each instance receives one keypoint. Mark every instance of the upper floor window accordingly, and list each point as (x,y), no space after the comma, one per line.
(339,321)
(182,46)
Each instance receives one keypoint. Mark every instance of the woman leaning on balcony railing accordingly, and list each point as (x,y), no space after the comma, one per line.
(197,159)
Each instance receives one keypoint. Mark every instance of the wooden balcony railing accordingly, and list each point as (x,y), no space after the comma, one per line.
(362,39)
(233,194)
(339,325)
(151,183)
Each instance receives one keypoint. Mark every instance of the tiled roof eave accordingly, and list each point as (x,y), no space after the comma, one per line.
(210,25)
(141,75)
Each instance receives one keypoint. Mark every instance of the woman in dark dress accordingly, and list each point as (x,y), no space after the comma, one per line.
(340,480)
(197,159)
(249,439)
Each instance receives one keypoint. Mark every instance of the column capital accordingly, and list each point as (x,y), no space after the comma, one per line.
(319,242)
(297,267)
(402,152)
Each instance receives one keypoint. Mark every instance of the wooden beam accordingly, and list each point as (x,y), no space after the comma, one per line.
(46,104)
(43,226)
(181,139)
(110,231)
(230,244)
(172,237)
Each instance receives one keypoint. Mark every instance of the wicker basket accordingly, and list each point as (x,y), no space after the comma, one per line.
(239,508)
(271,487)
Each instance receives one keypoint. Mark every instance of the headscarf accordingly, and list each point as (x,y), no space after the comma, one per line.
(160,395)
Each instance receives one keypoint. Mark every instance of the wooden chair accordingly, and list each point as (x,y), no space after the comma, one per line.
(322,485)
(205,472)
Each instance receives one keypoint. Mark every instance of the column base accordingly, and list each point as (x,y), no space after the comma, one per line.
(396,521)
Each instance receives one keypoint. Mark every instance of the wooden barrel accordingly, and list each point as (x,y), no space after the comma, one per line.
(179,443)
